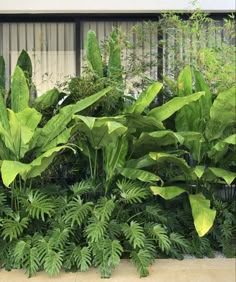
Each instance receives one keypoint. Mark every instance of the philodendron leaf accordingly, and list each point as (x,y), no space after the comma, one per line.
(93,53)
(57,124)
(159,138)
(145,98)
(167,193)
(164,157)
(227,175)
(222,114)
(3,111)
(24,62)
(2,73)
(168,109)
(10,169)
(19,91)
(220,148)
(202,214)
(48,99)
(142,175)
(114,63)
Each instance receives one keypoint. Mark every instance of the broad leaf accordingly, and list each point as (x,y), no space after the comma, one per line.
(222,114)
(168,192)
(19,91)
(202,214)
(48,99)
(164,157)
(93,53)
(142,175)
(145,98)
(169,108)
(228,176)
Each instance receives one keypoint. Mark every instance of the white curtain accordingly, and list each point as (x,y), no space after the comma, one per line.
(51,47)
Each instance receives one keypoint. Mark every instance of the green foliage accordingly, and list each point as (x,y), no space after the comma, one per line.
(94,204)
(134,233)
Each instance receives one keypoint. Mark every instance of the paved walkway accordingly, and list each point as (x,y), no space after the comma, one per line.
(165,270)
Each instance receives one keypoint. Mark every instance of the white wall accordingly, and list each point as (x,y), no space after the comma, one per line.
(113,6)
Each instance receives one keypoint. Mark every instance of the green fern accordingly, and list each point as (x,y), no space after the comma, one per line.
(38,205)
(142,260)
(160,236)
(58,238)
(95,230)
(104,209)
(53,262)
(27,257)
(13,227)
(134,233)
(81,188)
(107,255)
(132,192)
(82,258)
(178,241)
(76,211)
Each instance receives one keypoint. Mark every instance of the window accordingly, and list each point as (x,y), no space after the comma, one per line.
(51,47)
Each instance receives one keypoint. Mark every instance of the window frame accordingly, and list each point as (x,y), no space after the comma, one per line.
(78,18)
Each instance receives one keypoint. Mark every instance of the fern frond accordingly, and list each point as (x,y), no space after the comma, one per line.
(53,262)
(27,257)
(107,255)
(81,188)
(14,226)
(114,229)
(159,235)
(142,260)
(95,230)
(76,211)
(82,258)
(58,238)
(180,242)
(104,209)
(131,191)
(3,199)
(38,205)
(134,233)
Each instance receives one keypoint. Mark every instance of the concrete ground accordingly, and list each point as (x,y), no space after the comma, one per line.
(163,270)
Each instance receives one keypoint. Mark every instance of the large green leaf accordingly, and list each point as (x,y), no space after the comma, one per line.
(24,62)
(3,111)
(165,157)
(202,214)
(218,151)
(168,109)
(93,53)
(222,114)
(57,124)
(184,82)
(142,175)
(100,131)
(48,99)
(228,176)
(145,98)
(204,102)
(10,169)
(22,129)
(2,73)
(114,63)
(168,192)
(159,138)
(19,91)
